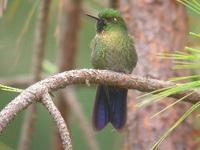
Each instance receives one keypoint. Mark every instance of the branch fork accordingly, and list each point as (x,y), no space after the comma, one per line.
(40,91)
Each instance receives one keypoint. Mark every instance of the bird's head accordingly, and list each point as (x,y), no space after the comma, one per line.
(108,20)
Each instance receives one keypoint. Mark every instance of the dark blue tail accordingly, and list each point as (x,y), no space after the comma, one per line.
(110,106)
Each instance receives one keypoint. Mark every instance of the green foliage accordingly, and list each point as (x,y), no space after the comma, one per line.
(178,122)
(10,89)
(192,4)
(184,60)
(171,105)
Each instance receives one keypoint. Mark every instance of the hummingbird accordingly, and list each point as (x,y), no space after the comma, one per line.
(112,49)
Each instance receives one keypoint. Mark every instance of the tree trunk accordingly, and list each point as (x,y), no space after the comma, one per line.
(158,26)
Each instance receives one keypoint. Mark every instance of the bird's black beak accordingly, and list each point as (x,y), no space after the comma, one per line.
(93,17)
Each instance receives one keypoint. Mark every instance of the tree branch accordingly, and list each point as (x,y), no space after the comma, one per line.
(72,102)
(84,76)
(18,81)
(60,122)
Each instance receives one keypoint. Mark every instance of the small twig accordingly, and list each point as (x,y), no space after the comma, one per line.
(71,100)
(40,39)
(18,81)
(67,33)
(82,76)
(62,127)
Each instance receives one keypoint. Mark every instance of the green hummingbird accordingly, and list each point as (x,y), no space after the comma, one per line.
(112,49)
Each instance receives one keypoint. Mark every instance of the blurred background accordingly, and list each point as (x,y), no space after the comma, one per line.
(18,40)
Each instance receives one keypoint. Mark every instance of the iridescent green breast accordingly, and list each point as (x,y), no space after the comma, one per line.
(115,51)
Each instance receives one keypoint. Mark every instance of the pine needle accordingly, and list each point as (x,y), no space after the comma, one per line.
(24,30)
(194,34)
(194,50)
(171,105)
(10,89)
(153,92)
(192,4)
(192,77)
(177,123)
(170,91)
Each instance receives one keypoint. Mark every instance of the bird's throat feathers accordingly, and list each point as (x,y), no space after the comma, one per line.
(111,34)
(111,28)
